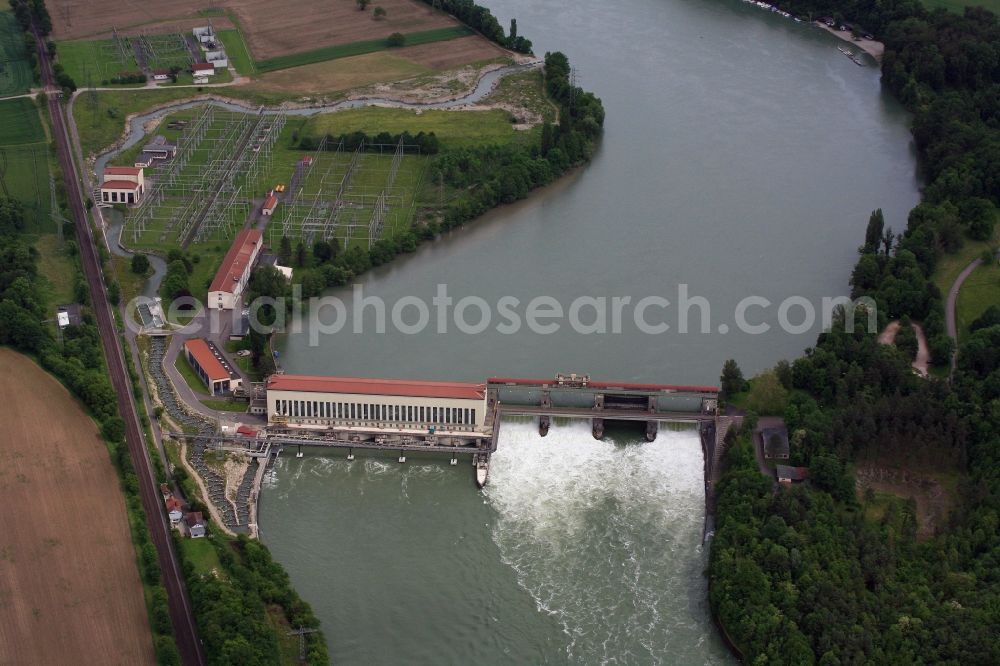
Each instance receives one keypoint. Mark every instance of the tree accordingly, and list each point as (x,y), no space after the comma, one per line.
(140,264)
(732,381)
(363,4)
(285,251)
(114,293)
(767,395)
(379,13)
(513,30)
(396,39)
(873,235)
(300,254)
(322,251)
(113,429)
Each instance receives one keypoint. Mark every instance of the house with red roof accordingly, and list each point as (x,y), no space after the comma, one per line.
(211,366)
(175,509)
(269,205)
(226,290)
(122,184)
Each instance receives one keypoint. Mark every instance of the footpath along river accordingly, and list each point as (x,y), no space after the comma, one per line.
(742,156)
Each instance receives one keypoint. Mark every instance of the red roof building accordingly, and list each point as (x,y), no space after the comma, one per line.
(203,68)
(383,387)
(211,366)
(269,205)
(122,184)
(387,404)
(234,273)
(134,172)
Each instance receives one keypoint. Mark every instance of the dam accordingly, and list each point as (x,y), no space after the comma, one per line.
(459,418)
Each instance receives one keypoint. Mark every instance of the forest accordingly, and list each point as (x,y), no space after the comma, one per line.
(804,574)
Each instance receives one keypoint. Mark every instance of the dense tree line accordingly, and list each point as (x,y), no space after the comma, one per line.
(423,143)
(801,575)
(480,18)
(27,10)
(232,608)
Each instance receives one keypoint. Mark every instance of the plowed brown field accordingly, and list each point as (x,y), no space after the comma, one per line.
(271,29)
(69,584)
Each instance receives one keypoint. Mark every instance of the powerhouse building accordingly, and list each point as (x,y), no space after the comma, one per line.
(398,404)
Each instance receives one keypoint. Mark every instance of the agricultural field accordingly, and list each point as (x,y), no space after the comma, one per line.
(237,51)
(24,158)
(359,48)
(16,76)
(456,53)
(328,23)
(67,559)
(96,61)
(19,122)
(260,39)
(344,74)
(78,19)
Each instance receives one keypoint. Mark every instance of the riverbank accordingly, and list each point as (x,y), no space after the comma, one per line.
(872,47)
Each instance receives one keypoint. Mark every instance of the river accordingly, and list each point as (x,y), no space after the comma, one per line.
(742,155)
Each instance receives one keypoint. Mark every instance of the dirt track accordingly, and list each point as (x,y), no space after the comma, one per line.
(69,584)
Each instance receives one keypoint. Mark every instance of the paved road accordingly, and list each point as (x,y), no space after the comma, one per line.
(949,308)
(179,604)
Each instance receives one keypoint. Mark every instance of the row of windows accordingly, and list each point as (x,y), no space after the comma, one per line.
(361,411)
(112,197)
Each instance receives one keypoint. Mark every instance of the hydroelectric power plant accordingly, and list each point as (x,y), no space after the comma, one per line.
(456,418)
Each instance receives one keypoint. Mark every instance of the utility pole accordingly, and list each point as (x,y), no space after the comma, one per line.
(301,633)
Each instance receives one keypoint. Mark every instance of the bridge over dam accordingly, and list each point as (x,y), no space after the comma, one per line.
(458,419)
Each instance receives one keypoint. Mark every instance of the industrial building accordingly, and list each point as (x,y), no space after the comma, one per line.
(211,366)
(226,290)
(389,404)
(269,205)
(122,184)
(203,69)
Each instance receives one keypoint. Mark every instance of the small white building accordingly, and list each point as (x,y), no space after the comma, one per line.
(195,524)
(203,69)
(161,74)
(175,509)
(122,185)
(204,33)
(217,58)
(269,205)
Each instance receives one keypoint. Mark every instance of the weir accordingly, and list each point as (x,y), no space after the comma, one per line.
(455,419)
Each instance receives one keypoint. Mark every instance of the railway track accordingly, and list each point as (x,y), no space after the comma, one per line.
(179,604)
